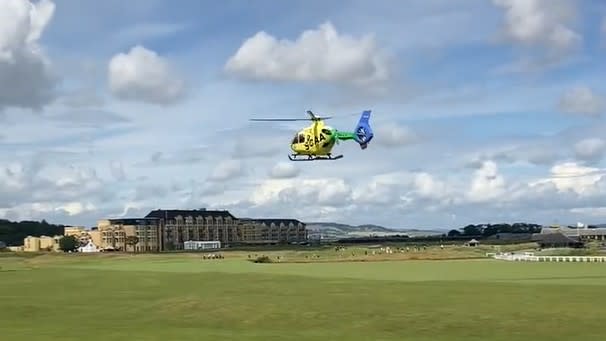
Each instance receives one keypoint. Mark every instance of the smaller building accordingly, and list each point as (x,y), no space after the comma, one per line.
(83,235)
(42,243)
(89,247)
(201,245)
(472,243)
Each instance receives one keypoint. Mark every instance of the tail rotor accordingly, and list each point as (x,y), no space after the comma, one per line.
(363,132)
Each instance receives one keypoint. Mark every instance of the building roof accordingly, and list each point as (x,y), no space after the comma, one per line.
(276,221)
(568,231)
(554,238)
(172,214)
(510,236)
(134,221)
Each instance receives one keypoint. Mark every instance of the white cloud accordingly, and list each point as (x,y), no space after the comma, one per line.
(590,148)
(545,22)
(591,211)
(487,183)
(75,208)
(321,54)
(227,170)
(26,77)
(428,187)
(284,170)
(582,100)
(569,176)
(38,187)
(394,135)
(142,75)
(332,192)
(117,170)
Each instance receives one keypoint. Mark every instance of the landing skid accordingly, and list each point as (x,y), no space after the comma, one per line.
(294,157)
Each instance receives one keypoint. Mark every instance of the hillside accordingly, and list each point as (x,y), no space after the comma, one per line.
(331,230)
(348,228)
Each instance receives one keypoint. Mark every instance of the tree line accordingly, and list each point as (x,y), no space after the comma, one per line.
(13,233)
(486,230)
(478,231)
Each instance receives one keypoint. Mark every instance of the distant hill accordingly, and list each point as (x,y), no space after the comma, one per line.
(348,228)
(331,230)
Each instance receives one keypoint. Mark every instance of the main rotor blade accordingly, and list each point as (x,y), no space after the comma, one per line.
(280,119)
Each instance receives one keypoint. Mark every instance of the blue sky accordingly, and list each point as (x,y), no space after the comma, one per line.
(484,111)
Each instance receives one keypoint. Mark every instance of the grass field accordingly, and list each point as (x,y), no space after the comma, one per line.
(183,297)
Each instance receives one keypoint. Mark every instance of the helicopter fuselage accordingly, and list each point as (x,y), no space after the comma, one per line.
(317,139)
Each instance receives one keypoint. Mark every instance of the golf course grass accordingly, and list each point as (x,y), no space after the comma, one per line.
(185,297)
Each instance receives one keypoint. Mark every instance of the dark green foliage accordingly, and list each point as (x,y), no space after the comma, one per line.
(486,230)
(13,233)
(262,259)
(68,243)
(132,240)
(454,233)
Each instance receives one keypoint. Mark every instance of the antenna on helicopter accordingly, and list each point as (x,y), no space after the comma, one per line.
(312,117)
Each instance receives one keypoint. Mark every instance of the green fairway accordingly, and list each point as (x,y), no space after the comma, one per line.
(180,297)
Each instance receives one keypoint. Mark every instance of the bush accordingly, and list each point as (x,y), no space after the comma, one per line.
(263,259)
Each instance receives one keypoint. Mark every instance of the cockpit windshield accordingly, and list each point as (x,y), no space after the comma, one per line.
(299,138)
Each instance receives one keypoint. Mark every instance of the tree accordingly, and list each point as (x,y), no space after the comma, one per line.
(68,243)
(454,233)
(472,230)
(132,241)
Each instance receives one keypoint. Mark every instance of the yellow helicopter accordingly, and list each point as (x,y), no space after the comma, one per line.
(316,141)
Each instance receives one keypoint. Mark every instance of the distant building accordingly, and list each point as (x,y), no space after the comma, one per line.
(89,247)
(178,226)
(130,234)
(473,243)
(42,243)
(510,237)
(164,230)
(83,235)
(557,240)
(582,233)
(278,231)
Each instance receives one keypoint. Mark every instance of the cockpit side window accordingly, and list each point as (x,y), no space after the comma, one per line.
(301,138)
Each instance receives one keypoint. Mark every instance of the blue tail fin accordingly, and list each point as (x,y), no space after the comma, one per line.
(363,132)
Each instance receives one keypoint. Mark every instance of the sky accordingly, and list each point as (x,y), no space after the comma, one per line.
(483,111)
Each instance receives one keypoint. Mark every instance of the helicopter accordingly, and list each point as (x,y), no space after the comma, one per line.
(316,141)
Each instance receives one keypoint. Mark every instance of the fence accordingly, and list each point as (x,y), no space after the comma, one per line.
(529,257)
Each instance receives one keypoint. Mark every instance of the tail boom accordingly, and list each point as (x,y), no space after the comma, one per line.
(362,133)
